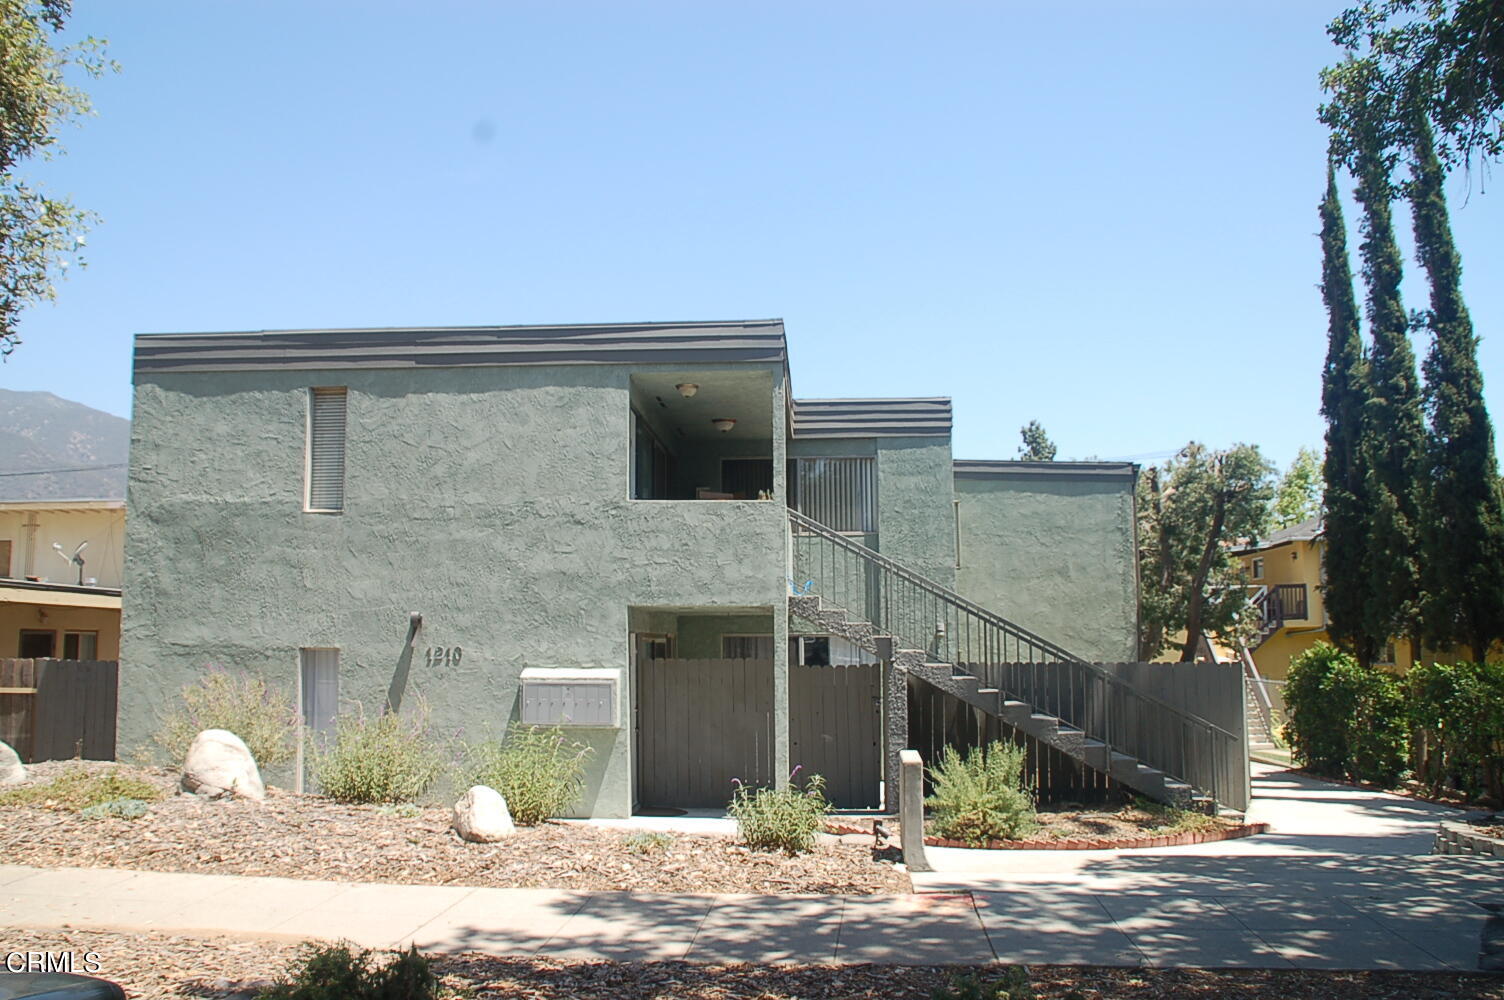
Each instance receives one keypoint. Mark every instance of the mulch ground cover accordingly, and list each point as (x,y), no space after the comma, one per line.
(311,837)
(164,966)
(1127,823)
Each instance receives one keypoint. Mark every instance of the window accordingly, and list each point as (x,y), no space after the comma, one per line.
(653,646)
(80,645)
(4,557)
(831,651)
(840,493)
(1386,654)
(652,464)
(37,644)
(326,450)
(747,647)
(319,677)
(1258,568)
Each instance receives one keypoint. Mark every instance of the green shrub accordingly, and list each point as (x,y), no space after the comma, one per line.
(388,759)
(115,809)
(76,789)
(261,715)
(335,972)
(1456,711)
(981,796)
(780,819)
(1345,721)
(1012,983)
(537,770)
(648,843)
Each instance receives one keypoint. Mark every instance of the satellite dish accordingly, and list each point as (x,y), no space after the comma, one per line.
(75,559)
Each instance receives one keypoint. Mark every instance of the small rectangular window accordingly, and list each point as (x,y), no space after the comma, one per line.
(37,644)
(320,690)
(4,557)
(747,647)
(326,449)
(80,645)
(1258,569)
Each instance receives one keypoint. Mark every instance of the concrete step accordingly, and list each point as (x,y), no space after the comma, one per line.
(1014,712)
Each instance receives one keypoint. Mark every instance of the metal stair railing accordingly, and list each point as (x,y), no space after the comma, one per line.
(1024,666)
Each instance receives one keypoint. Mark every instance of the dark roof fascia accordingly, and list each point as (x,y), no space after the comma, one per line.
(872,418)
(733,342)
(998,469)
(58,588)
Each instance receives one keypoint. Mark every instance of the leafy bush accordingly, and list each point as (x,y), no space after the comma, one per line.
(648,843)
(262,716)
(780,819)
(1345,721)
(115,809)
(1012,984)
(388,759)
(981,796)
(76,789)
(537,770)
(334,972)
(1173,819)
(1457,714)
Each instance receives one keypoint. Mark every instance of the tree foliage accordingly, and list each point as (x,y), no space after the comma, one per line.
(1191,511)
(1037,446)
(1462,527)
(40,236)
(1435,60)
(1344,393)
(1298,496)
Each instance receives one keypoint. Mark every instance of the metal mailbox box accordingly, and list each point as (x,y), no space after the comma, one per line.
(571,696)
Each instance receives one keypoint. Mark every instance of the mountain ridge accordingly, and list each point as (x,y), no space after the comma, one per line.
(40,430)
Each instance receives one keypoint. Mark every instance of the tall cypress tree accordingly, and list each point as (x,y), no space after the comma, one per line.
(1343,392)
(1462,531)
(1394,433)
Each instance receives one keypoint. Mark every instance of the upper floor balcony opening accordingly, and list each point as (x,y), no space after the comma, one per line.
(703,436)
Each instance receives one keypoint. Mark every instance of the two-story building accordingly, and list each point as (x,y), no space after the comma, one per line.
(60,574)
(605,526)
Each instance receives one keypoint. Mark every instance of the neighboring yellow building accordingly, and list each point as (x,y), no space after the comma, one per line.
(1285,571)
(60,573)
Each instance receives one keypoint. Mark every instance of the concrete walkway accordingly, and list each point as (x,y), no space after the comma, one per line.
(1339,883)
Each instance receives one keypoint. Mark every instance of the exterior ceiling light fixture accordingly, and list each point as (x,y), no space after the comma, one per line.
(723,424)
(687,389)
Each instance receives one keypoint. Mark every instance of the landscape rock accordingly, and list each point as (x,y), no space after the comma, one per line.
(482,817)
(12,771)
(219,764)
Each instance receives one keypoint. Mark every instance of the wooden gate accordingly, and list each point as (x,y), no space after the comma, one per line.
(835,730)
(59,709)
(701,723)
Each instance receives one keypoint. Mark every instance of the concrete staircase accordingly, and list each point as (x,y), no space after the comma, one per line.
(1046,728)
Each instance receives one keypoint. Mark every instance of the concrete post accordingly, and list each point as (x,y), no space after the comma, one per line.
(911,811)
(895,722)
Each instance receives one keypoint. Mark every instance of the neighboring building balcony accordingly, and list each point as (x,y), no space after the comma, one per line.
(1283,604)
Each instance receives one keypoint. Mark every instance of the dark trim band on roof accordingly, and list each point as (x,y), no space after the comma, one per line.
(756,341)
(859,418)
(978,469)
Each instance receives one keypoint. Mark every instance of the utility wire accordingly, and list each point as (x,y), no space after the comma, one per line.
(49,472)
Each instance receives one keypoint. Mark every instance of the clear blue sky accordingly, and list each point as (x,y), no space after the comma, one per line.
(1098,215)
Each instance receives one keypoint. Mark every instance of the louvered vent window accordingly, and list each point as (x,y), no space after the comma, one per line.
(326,449)
(840,493)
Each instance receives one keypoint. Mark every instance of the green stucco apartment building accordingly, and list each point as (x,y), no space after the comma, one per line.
(586,525)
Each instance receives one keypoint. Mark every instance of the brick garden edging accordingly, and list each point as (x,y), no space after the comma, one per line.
(1463,838)
(1165,840)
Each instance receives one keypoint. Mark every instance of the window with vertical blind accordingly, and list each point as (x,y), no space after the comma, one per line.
(320,690)
(326,449)
(840,493)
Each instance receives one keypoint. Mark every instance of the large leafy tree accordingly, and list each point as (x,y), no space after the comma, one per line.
(1344,394)
(1437,60)
(1298,496)
(1191,511)
(40,235)
(1462,536)
(1037,446)
(1393,442)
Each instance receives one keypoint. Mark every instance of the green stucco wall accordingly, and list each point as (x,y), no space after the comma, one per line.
(492,500)
(1053,553)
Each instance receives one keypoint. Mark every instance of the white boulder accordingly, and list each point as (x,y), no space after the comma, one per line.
(482,816)
(12,771)
(219,763)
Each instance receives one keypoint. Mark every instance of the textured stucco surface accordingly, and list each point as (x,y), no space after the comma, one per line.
(1054,554)
(492,500)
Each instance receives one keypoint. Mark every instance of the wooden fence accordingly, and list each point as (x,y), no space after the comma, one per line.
(59,709)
